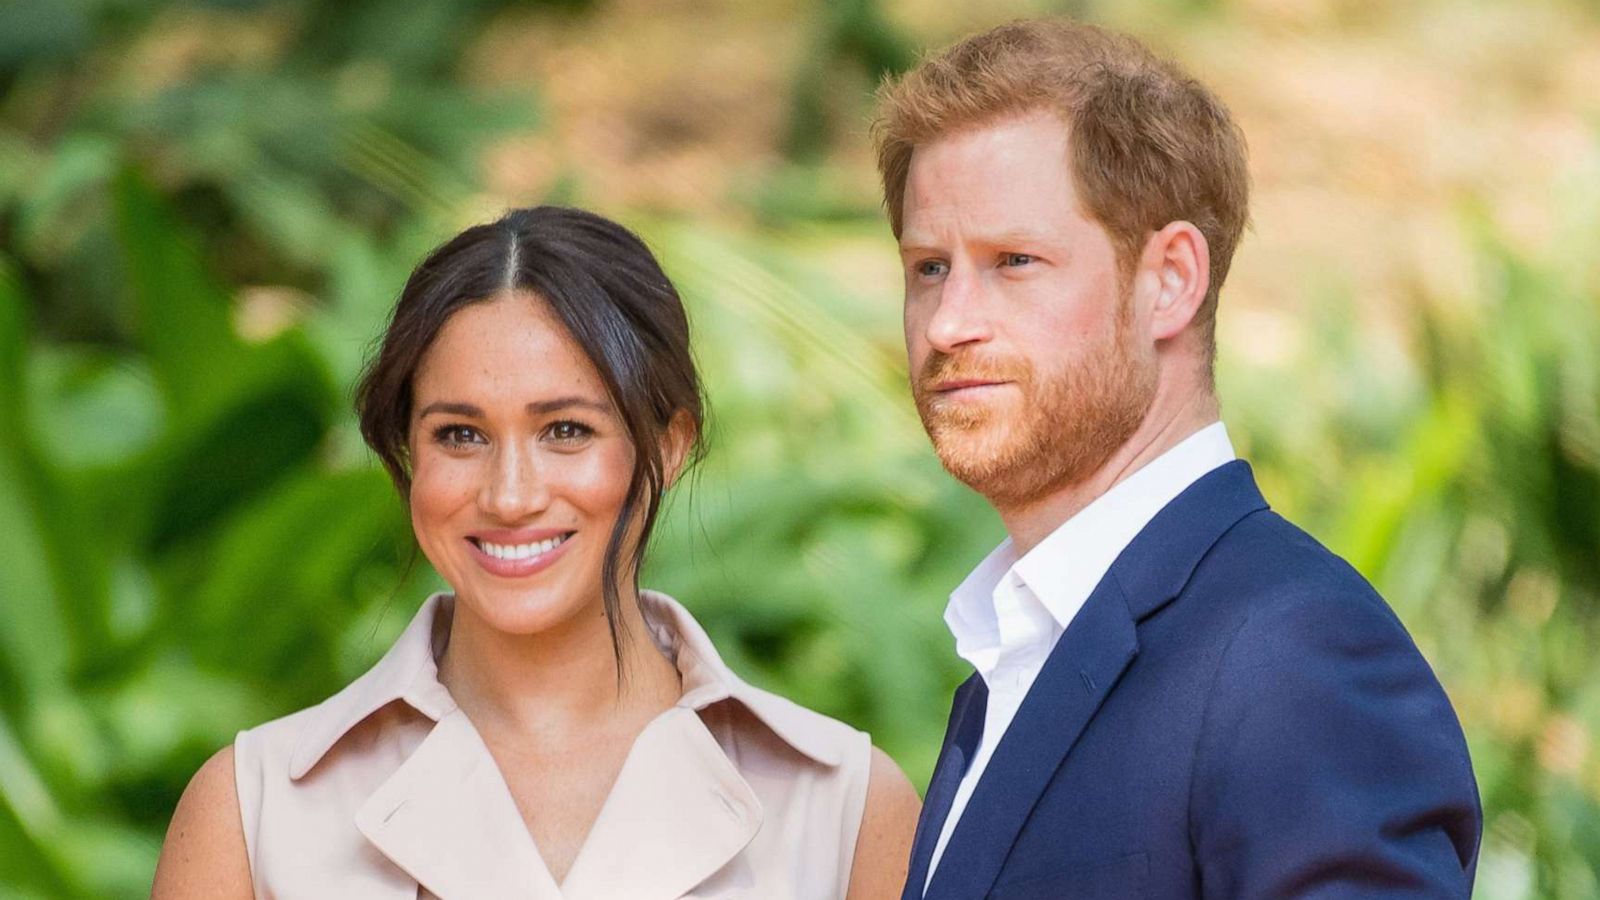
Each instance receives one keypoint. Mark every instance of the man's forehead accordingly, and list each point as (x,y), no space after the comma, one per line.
(998,205)
(974,163)
(998,138)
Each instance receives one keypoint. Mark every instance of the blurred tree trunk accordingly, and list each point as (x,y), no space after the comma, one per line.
(847,32)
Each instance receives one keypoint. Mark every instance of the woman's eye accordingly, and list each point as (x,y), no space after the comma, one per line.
(457,435)
(1016,259)
(567,432)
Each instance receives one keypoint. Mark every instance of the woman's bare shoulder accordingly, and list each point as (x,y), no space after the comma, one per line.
(883,846)
(204,854)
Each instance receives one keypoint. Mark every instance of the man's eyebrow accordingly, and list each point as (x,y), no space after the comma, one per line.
(1010,238)
(1019,236)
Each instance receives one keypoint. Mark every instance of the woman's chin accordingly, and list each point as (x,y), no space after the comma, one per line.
(520,612)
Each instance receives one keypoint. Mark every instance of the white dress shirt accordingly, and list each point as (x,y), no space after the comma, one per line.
(1007,615)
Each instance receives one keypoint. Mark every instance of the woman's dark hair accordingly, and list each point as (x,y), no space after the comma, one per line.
(610,294)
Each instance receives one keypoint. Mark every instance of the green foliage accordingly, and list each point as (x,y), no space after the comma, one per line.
(195,540)
(1462,479)
(845,33)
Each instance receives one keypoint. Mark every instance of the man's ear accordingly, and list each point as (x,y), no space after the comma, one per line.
(1180,259)
(676,441)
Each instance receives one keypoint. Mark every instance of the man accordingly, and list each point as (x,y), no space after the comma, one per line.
(1178,693)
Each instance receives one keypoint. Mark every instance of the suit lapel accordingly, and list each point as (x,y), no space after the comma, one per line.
(1159,562)
(960,743)
(1085,665)
(1081,671)
(446,817)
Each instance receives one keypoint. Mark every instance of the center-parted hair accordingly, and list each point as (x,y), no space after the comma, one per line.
(1149,144)
(609,293)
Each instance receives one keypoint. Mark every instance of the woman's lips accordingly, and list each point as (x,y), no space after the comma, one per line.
(523,566)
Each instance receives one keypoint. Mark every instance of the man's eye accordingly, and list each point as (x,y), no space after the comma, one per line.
(1016,259)
(932,268)
(457,435)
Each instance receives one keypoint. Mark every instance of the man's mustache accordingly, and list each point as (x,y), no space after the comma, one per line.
(940,368)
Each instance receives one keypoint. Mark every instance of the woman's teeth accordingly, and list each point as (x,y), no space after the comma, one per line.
(521,551)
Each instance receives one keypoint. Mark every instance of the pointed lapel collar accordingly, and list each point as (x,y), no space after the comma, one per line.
(408,672)
(446,818)
(960,743)
(708,680)
(1082,669)
(1158,563)
(679,811)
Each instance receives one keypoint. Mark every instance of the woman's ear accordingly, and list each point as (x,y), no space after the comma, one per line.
(676,442)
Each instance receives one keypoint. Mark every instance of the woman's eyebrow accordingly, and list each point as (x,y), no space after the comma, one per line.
(454,409)
(536,408)
(545,407)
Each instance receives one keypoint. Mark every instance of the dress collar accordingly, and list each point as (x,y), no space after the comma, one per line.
(409,673)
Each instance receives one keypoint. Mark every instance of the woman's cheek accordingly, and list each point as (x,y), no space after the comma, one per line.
(598,481)
(440,488)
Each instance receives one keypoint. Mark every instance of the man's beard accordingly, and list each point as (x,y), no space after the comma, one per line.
(1064,428)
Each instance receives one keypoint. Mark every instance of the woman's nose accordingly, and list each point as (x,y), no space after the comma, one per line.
(515,488)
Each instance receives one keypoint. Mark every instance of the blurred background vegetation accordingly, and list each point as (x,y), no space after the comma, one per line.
(207,208)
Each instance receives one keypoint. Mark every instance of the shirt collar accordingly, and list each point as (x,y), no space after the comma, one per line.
(409,672)
(971,614)
(1063,569)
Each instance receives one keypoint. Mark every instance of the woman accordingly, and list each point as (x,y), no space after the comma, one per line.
(546,729)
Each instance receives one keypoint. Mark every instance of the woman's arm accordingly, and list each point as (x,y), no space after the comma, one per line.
(883,847)
(204,855)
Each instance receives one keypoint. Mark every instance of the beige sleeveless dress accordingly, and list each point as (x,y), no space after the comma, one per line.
(386,791)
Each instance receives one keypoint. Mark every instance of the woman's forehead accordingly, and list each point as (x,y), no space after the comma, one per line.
(511,347)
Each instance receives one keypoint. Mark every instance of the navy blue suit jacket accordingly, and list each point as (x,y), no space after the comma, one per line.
(1234,713)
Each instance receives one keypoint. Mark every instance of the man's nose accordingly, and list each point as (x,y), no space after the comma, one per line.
(961,316)
(516,487)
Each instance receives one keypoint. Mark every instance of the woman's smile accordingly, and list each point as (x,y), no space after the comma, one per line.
(511,554)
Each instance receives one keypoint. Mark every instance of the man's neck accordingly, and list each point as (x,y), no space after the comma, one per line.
(1170,420)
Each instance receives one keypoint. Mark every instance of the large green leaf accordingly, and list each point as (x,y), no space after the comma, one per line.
(279,581)
(34,651)
(182,315)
